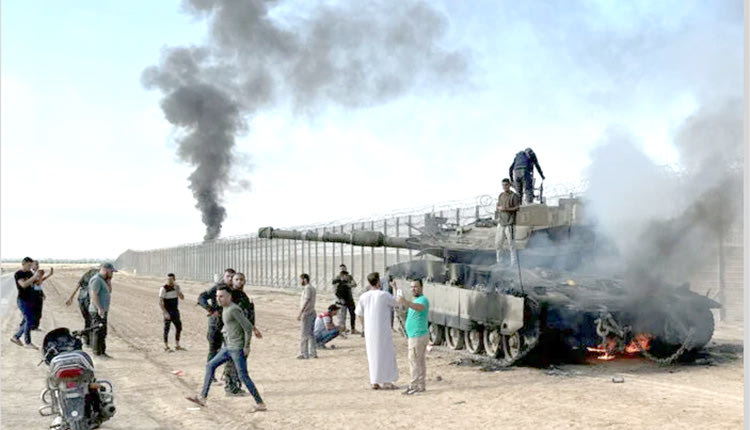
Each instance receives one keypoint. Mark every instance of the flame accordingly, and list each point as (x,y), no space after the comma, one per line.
(606,349)
(641,342)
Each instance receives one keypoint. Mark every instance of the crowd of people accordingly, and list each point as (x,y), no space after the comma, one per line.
(231,323)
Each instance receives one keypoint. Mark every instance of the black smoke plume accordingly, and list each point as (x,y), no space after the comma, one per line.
(263,54)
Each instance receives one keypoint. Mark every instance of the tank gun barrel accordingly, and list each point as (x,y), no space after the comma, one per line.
(368,238)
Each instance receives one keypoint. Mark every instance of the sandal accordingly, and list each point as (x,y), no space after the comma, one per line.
(179,348)
(168,349)
(198,400)
(375,386)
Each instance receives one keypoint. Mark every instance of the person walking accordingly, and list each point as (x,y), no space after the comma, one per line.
(207,300)
(100,292)
(307,316)
(25,279)
(508,203)
(169,297)
(418,334)
(374,311)
(236,330)
(232,382)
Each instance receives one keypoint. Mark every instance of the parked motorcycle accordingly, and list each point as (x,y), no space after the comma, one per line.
(73,395)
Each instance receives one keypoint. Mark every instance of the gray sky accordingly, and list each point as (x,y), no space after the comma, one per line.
(90,165)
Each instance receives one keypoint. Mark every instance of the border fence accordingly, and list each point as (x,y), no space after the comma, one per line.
(279,262)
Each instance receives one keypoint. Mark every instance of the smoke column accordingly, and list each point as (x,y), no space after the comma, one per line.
(266,54)
(667,224)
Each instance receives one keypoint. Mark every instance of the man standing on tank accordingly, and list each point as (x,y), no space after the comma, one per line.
(522,173)
(508,203)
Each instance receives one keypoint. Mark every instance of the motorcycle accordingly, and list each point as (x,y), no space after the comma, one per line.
(73,395)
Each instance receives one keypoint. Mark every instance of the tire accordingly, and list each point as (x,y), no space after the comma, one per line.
(473,341)
(437,334)
(454,338)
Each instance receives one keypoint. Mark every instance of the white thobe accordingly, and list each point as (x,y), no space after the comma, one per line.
(375,306)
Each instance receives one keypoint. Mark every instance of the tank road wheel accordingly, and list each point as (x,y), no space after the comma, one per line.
(493,343)
(512,345)
(437,334)
(473,341)
(454,338)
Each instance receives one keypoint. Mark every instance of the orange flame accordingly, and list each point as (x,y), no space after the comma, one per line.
(641,342)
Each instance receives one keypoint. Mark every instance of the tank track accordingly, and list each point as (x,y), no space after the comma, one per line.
(484,358)
(528,346)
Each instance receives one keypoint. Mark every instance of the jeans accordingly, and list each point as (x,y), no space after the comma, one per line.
(27,311)
(240,363)
(324,336)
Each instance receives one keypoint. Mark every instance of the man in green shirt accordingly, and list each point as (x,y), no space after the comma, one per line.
(418,335)
(237,331)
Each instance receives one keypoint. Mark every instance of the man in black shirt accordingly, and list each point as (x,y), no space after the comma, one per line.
(522,174)
(169,297)
(343,292)
(25,279)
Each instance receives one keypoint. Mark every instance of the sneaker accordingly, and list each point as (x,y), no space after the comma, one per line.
(31,346)
(105,356)
(16,340)
(408,391)
(301,357)
(259,407)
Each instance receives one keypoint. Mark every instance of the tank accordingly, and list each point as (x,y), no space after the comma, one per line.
(542,307)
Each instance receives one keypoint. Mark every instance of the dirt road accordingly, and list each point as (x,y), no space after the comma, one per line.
(332,391)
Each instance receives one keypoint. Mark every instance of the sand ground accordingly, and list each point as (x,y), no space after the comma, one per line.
(332,391)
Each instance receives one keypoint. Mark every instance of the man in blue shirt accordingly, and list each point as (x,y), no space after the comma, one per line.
(418,334)
(100,290)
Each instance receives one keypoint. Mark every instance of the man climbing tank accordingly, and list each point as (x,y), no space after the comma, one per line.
(522,174)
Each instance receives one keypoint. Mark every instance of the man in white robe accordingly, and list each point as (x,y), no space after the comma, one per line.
(374,312)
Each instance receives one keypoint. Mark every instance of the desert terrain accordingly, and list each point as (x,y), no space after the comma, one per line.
(333,390)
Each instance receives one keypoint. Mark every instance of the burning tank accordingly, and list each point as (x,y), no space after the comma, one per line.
(539,307)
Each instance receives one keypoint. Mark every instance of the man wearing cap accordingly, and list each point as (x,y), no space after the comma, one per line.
(325,330)
(522,173)
(100,291)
